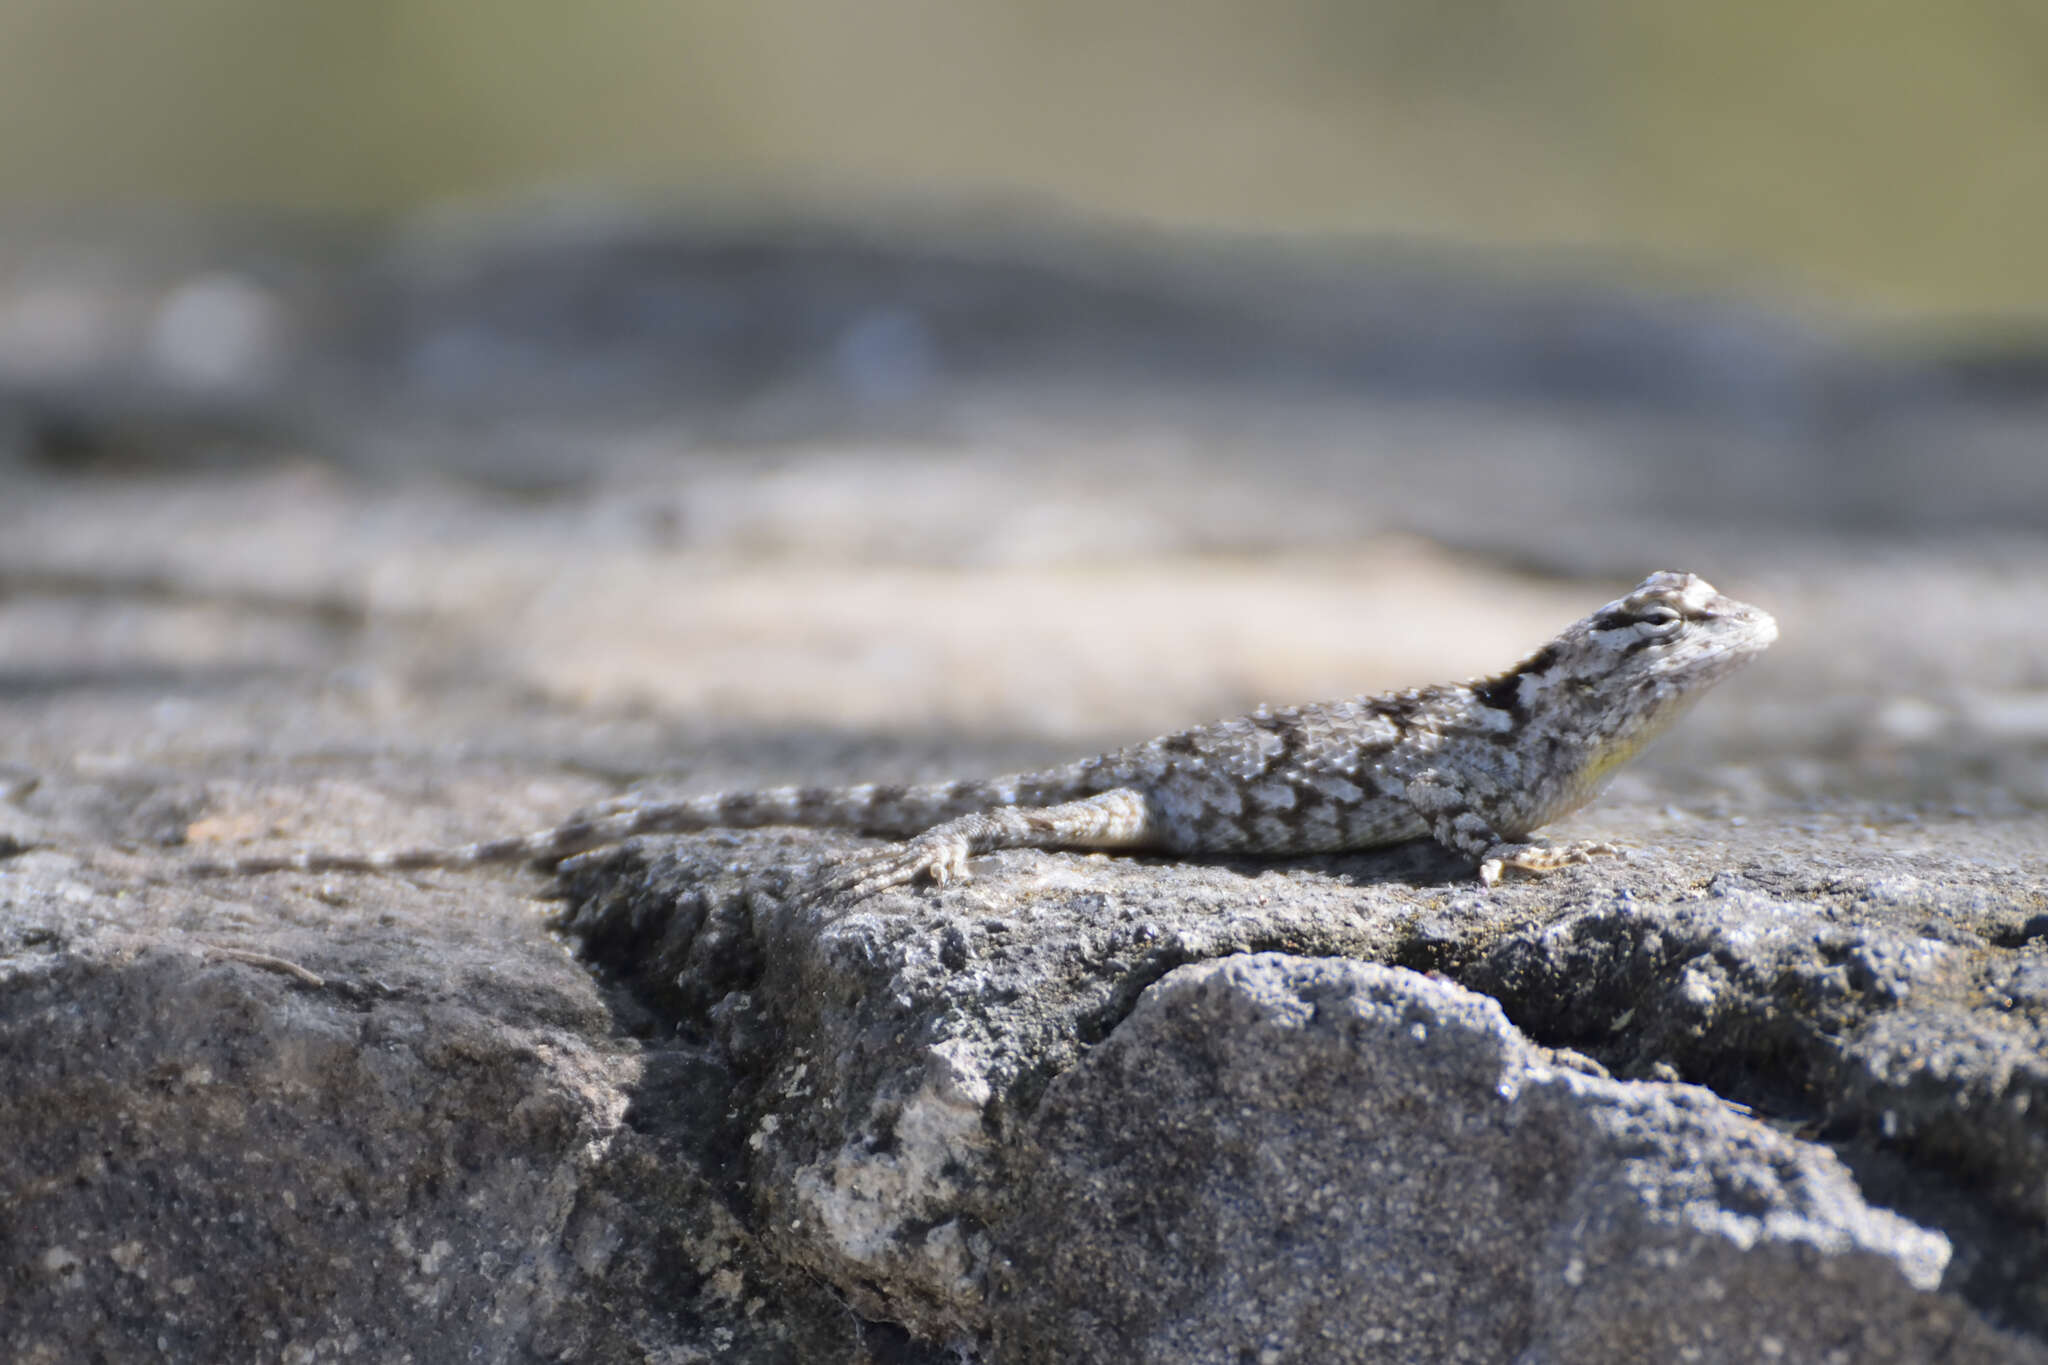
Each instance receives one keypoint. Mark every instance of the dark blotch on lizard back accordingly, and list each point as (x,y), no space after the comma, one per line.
(1293,739)
(1404,708)
(1504,693)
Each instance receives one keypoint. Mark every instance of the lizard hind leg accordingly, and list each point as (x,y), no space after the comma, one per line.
(1113,819)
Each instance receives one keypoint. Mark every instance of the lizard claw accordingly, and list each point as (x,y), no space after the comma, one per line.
(1536,859)
(943,860)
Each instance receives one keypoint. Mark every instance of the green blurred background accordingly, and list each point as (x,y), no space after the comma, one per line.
(1887,157)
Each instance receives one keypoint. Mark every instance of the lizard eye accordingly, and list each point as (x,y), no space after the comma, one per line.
(1659,620)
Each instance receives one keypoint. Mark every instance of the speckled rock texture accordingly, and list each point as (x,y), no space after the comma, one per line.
(1091,1109)
(1077,1109)
(1317,1159)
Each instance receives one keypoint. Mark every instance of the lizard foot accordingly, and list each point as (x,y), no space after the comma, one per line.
(942,858)
(1536,859)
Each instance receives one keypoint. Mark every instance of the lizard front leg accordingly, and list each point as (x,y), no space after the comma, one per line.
(1119,818)
(1456,823)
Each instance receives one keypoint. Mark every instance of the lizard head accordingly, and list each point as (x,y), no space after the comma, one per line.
(1631,668)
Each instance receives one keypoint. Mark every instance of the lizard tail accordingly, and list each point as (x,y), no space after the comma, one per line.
(893,811)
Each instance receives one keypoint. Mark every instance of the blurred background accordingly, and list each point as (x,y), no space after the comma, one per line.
(587,386)
(1888,159)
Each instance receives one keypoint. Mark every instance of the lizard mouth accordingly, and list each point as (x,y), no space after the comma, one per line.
(1750,630)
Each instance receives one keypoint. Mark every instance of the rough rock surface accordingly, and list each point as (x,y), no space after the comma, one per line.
(415,1137)
(961,1113)
(1081,1108)
(1315,1159)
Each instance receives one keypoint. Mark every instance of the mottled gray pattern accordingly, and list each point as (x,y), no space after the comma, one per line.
(1477,766)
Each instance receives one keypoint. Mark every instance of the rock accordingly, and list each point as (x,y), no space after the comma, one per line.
(1893,1010)
(961,1113)
(890,1050)
(1281,1158)
(408,1132)
(1081,1108)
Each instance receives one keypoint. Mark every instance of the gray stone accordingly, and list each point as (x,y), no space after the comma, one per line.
(1285,1159)
(245,1125)
(962,1116)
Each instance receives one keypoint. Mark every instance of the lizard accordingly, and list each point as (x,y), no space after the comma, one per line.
(1477,766)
